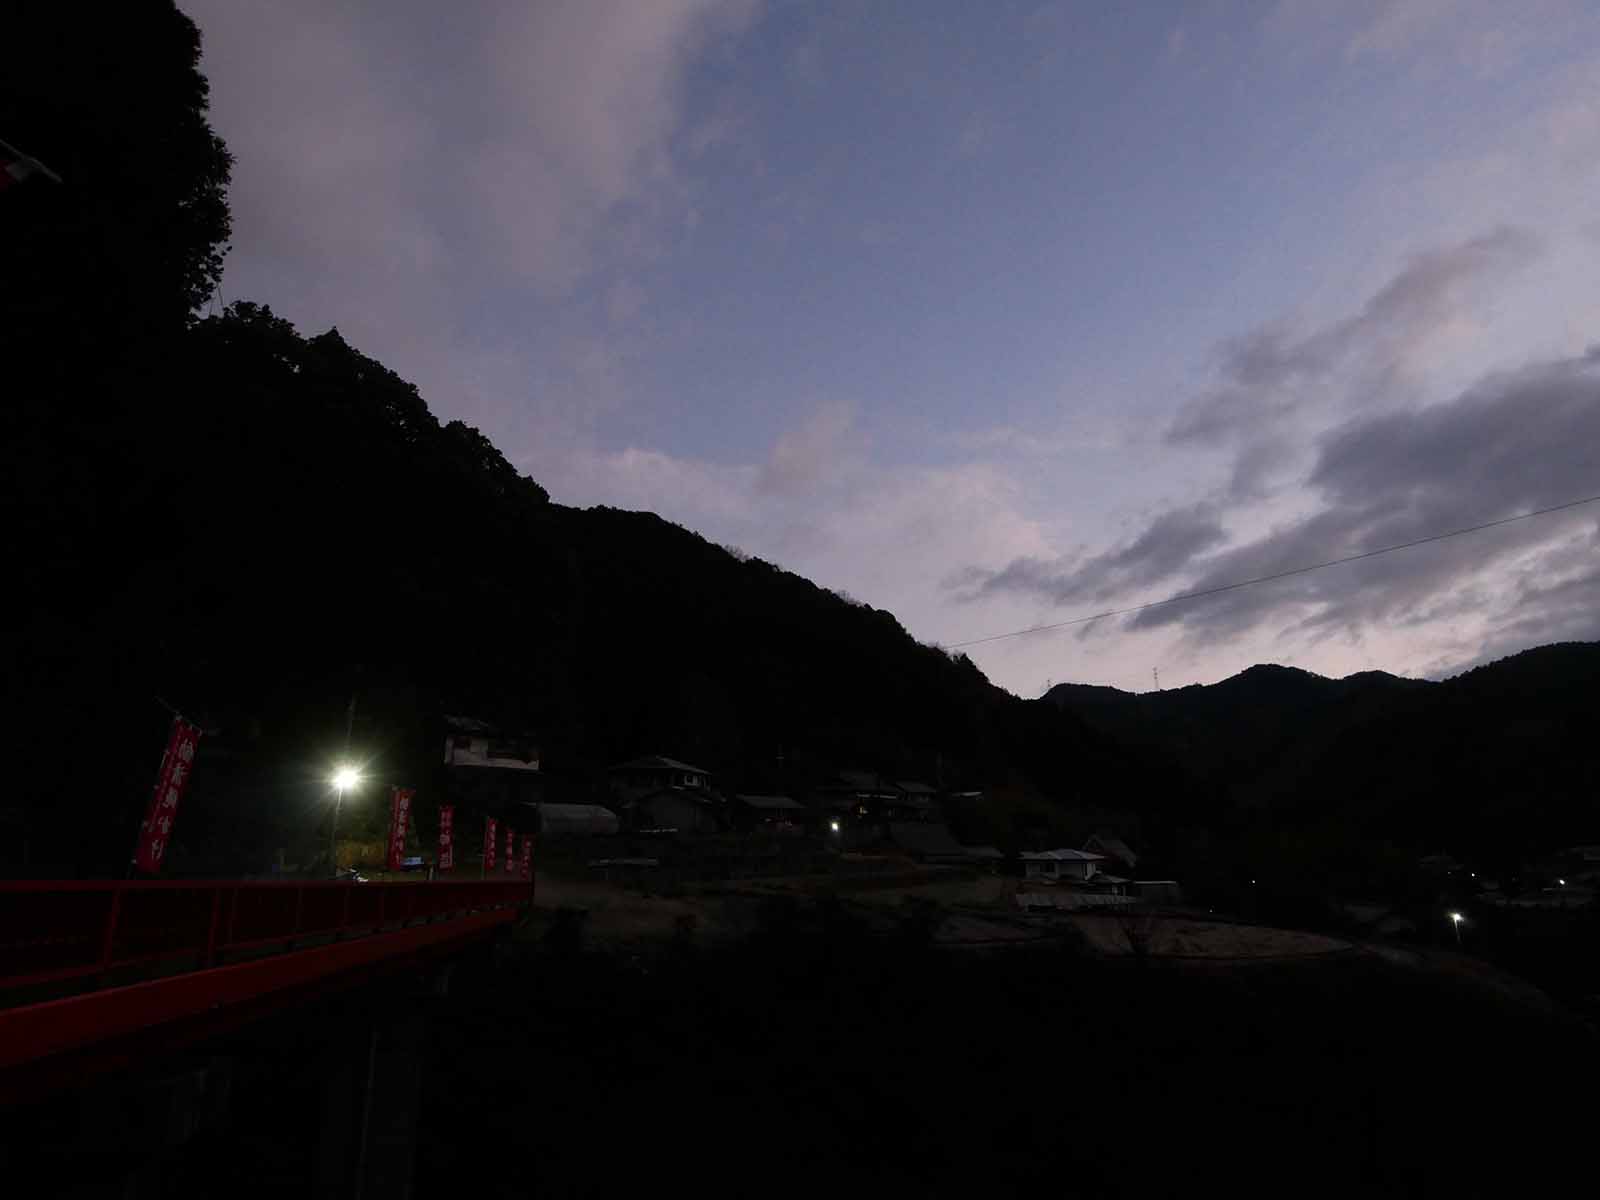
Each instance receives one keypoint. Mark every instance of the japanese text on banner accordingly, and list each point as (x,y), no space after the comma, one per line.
(399,817)
(447,848)
(155,831)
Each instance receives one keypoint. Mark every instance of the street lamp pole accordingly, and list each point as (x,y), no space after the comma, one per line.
(344,777)
(333,833)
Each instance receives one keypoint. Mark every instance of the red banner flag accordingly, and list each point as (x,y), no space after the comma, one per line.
(488,843)
(156,829)
(447,845)
(527,857)
(511,857)
(399,817)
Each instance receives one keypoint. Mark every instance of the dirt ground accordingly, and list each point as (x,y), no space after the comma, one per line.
(973,912)
(621,918)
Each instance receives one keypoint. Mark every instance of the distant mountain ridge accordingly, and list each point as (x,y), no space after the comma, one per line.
(1500,754)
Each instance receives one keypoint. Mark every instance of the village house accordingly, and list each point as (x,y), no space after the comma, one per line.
(470,742)
(917,801)
(561,820)
(655,792)
(768,814)
(490,769)
(856,797)
(1155,891)
(652,773)
(1054,865)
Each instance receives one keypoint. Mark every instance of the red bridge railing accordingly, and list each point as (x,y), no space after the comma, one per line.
(51,931)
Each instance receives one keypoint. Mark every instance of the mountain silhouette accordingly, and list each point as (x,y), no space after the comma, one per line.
(1496,762)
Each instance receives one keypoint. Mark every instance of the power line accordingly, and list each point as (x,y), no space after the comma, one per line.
(1243,583)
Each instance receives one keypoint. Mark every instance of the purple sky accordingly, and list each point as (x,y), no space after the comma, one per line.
(989,314)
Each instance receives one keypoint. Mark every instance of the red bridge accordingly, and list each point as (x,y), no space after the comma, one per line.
(104,979)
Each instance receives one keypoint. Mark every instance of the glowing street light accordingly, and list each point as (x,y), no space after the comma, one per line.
(345,778)
(834,825)
(1455,920)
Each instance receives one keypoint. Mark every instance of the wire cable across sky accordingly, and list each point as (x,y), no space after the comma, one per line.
(1244,583)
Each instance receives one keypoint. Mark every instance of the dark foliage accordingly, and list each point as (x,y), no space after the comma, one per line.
(1339,782)
(258,527)
(131,241)
(292,526)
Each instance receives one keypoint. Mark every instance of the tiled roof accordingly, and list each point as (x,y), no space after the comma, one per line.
(768,801)
(657,762)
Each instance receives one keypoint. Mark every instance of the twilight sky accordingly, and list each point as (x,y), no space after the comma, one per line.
(991,314)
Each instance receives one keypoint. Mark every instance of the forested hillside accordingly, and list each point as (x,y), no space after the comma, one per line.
(1498,763)
(215,513)
(219,515)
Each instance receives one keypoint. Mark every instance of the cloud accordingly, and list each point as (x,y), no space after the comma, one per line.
(459,164)
(1272,372)
(1075,431)
(1167,545)
(976,134)
(816,504)
(805,456)
(1397,26)
(1275,384)
(1519,441)
(582,98)
(1486,37)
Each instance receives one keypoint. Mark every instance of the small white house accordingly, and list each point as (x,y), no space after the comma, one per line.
(641,777)
(474,743)
(1052,865)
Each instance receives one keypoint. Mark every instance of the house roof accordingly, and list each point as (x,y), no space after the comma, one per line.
(575,818)
(698,795)
(864,781)
(913,788)
(1115,848)
(1062,855)
(658,762)
(469,725)
(767,801)
(985,852)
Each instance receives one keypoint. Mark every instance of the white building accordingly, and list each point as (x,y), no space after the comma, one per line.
(1052,865)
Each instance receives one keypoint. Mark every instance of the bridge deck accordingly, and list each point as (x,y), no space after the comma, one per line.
(210,955)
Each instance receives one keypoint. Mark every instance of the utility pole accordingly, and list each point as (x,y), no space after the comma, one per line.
(1156,672)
